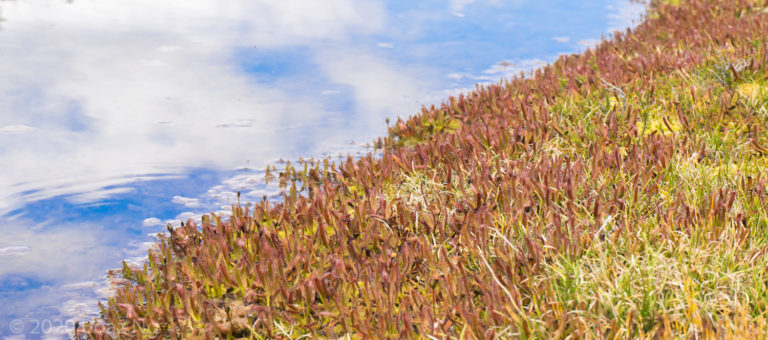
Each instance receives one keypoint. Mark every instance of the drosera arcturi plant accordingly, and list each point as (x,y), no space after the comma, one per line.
(616,193)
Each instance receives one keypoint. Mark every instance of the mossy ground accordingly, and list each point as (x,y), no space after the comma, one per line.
(617,193)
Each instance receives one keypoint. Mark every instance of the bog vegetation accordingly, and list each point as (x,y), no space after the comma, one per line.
(620,192)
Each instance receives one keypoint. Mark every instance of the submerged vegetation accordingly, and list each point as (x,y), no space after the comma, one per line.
(616,193)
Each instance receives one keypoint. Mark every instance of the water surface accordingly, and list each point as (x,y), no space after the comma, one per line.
(117,117)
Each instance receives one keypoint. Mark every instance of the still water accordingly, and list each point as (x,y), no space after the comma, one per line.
(117,117)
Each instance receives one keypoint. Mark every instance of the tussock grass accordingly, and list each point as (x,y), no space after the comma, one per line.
(619,193)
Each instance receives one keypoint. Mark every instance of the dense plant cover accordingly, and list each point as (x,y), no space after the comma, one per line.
(616,193)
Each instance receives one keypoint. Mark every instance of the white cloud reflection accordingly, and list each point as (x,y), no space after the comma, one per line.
(624,15)
(459,6)
(16,129)
(122,88)
(381,88)
(13,251)
(34,264)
